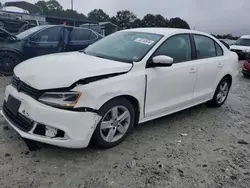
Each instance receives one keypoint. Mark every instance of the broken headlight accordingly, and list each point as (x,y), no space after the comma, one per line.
(60,99)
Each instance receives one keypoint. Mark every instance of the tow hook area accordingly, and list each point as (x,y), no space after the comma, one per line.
(33,145)
(51,132)
(45,131)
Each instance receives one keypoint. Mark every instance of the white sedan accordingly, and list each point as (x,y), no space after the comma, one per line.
(129,77)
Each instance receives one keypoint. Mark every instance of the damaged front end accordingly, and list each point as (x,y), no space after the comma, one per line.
(6,37)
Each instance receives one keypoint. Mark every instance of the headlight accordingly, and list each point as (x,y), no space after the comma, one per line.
(60,99)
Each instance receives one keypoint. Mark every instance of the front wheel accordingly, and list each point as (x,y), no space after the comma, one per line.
(8,60)
(221,93)
(118,118)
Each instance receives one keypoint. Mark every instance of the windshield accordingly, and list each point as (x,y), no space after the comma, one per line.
(124,46)
(243,42)
(30,31)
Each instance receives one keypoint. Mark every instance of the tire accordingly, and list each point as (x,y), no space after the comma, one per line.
(219,101)
(245,75)
(8,60)
(102,136)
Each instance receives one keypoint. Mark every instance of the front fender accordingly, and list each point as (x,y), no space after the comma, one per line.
(13,50)
(95,94)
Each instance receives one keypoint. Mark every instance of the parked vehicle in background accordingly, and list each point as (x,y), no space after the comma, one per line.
(129,77)
(242,47)
(41,40)
(246,68)
(11,25)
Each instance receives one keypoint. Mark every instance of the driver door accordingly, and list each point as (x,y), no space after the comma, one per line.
(170,89)
(44,42)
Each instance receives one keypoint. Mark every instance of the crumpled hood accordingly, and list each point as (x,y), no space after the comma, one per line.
(63,69)
(6,33)
(238,47)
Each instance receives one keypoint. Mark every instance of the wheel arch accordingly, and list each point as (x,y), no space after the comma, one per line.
(229,76)
(134,102)
(20,54)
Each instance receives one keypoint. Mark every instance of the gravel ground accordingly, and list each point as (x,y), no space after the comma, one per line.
(215,153)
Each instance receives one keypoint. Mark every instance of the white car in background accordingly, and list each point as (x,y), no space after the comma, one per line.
(129,77)
(242,47)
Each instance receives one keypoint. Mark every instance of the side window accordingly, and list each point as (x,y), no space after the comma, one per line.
(48,35)
(80,34)
(178,47)
(219,50)
(204,46)
(92,36)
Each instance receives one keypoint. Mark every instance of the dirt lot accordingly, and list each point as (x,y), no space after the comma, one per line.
(211,155)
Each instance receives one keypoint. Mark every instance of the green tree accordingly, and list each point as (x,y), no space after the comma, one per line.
(151,20)
(54,5)
(73,14)
(43,6)
(98,15)
(137,23)
(178,23)
(124,19)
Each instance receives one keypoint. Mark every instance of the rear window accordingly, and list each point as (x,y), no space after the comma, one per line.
(80,34)
(205,47)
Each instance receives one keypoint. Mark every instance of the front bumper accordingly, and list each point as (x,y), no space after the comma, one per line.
(77,127)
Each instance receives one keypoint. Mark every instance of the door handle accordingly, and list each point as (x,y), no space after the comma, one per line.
(219,65)
(192,70)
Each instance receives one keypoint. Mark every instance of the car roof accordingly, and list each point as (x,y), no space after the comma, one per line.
(165,31)
(67,26)
(245,37)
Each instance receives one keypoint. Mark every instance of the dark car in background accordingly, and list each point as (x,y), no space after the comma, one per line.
(42,40)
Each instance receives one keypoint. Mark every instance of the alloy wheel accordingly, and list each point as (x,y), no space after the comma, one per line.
(115,124)
(223,92)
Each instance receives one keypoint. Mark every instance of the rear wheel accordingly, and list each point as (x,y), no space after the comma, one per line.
(118,117)
(221,93)
(8,60)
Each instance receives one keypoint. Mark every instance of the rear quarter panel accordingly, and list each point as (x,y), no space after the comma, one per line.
(230,67)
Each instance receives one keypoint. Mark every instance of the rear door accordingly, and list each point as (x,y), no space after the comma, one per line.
(44,42)
(210,61)
(80,38)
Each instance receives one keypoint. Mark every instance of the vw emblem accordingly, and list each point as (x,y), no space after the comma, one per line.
(19,86)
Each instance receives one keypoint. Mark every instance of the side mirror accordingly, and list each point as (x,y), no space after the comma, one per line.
(162,61)
(32,42)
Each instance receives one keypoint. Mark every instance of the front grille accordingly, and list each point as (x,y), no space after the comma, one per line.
(25,88)
(19,121)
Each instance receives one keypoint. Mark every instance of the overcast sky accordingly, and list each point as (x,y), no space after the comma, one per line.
(217,16)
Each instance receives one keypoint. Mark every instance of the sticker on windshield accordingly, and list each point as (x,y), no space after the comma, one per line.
(144,41)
